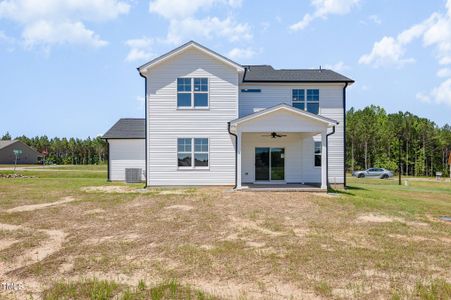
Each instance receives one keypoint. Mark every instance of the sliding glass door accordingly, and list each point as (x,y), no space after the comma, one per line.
(269,164)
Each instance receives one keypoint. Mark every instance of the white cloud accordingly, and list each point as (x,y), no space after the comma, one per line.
(375,19)
(324,8)
(208,28)
(140,49)
(172,9)
(387,51)
(49,33)
(140,102)
(241,53)
(442,93)
(183,23)
(338,67)
(433,31)
(444,72)
(50,22)
(425,98)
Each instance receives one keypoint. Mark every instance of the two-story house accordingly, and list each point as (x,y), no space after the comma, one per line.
(211,121)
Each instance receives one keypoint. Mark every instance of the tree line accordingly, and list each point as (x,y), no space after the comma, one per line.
(67,151)
(375,139)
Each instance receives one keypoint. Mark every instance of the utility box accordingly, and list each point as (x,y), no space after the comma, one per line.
(133,175)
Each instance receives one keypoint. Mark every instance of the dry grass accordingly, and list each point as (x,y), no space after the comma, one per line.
(374,241)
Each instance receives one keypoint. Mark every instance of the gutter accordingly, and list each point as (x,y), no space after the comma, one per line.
(145,124)
(327,155)
(236,154)
(109,165)
(344,134)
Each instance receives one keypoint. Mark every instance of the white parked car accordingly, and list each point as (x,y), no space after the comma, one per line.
(373,173)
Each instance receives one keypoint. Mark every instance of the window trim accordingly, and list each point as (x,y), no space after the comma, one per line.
(192,92)
(320,153)
(306,101)
(193,152)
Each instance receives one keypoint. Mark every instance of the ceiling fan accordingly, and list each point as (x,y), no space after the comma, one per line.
(274,135)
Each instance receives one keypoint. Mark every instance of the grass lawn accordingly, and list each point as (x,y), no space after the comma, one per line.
(68,234)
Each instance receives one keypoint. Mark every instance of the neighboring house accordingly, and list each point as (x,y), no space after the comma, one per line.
(126,147)
(28,155)
(212,121)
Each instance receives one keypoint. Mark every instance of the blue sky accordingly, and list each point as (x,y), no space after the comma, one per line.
(68,68)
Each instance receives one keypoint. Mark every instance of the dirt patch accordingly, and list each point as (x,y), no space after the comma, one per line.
(51,245)
(173,192)
(376,218)
(180,207)
(242,224)
(4,244)
(108,189)
(33,207)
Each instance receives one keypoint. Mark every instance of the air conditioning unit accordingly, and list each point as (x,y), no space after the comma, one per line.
(133,175)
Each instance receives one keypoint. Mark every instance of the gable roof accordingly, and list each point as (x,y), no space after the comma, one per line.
(4,144)
(188,45)
(287,107)
(127,128)
(266,73)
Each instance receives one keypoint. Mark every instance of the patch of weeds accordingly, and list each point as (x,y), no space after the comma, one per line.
(273,224)
(95,289)
(88,289)
(434,290)
(323,288)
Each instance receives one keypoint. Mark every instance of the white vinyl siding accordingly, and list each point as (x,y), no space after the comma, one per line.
(331,106)
(166,123)
(126,153)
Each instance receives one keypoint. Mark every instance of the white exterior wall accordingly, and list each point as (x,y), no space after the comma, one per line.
(299,156)
(331,106)
(166,123)
(126,153)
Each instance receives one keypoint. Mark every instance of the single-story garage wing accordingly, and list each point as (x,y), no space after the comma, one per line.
(27,154)
(126,148)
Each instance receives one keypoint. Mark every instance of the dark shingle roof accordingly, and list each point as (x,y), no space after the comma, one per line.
(266,73)
(4,144)
(127,128)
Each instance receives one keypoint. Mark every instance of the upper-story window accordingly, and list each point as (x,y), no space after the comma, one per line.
(192,92)
(309,102)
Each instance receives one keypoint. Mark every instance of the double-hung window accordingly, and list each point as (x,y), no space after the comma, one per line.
(318,154)
(189,148)
(192,92)
(306,100)
(298,99)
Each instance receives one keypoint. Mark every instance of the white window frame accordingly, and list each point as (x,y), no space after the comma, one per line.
(320,154)
(305,101)
(192,93)
(193,152)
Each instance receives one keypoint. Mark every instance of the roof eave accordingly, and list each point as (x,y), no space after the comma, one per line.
(299,81)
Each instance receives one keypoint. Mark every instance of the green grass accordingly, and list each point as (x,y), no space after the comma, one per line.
(265,242)
(95,289)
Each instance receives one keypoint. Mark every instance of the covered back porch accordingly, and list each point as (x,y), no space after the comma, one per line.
(282,148)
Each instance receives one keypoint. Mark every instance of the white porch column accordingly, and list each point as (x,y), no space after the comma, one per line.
(238,158)
(323,160)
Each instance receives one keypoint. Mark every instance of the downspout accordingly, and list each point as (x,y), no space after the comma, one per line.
(145,125)
(327,155)
(344,134)
(109,157)
(236,153)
